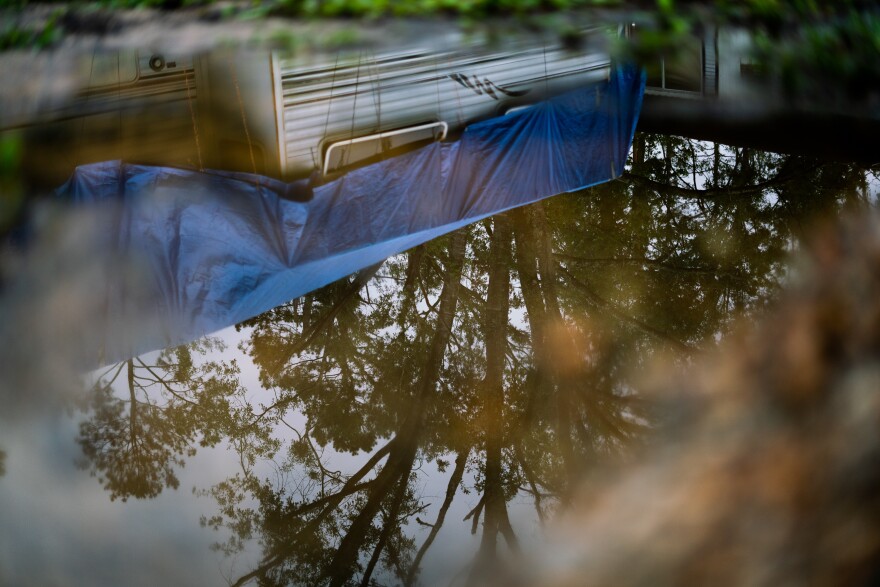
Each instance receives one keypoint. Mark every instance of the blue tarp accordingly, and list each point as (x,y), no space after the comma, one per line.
(217,248)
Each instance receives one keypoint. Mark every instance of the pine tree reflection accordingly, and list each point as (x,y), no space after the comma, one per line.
(509,347)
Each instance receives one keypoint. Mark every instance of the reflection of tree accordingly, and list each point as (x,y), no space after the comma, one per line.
(507,348)
(135,440)
(388,494)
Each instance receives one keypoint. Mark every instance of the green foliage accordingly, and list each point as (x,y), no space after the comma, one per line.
(825,49)
(364,8)
(13,36)
(11,191)
(415,8)
(834,59)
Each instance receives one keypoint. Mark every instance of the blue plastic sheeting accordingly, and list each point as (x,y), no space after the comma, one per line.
(217,248)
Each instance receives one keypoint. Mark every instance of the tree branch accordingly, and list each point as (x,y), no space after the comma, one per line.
(451,488)
(709,193)
(361,279)
(642,261)
(618,313)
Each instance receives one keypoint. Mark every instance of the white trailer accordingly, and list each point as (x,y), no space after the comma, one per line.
(292,116)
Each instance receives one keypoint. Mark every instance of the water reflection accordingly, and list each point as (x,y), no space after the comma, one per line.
(284,114)
(199,250)
(135,442)
(497,364)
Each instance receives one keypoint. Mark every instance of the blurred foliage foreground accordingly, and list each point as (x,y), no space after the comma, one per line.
(513,356)
(821,48)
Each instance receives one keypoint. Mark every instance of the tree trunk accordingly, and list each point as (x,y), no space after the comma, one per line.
(402,455)
(495,323)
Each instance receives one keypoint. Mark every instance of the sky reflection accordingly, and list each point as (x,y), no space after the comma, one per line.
(496,367)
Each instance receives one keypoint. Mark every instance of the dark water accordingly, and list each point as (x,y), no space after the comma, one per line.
(429,420)
(425,419)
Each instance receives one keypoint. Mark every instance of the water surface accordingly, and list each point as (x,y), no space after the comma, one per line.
(422,421)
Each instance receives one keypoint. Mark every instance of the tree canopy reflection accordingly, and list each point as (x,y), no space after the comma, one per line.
(506,353)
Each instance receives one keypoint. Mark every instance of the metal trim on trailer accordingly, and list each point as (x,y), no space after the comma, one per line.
(382,135)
